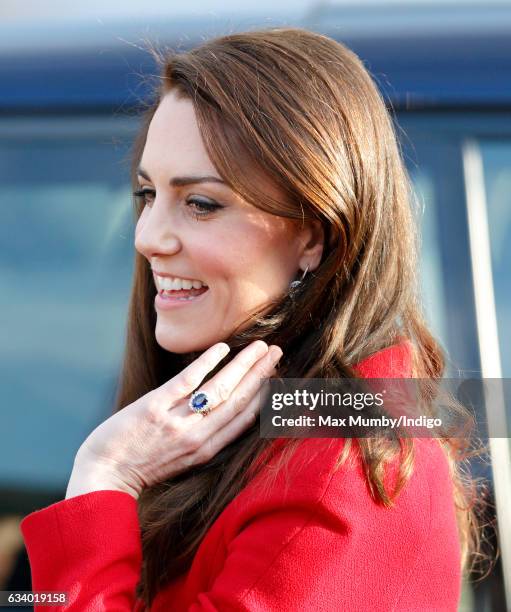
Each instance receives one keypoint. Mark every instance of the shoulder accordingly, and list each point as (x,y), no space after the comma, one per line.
(314,522)
(311,472)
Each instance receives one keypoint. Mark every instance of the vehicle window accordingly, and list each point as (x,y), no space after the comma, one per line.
(66,268)
(434,164)
(496,157)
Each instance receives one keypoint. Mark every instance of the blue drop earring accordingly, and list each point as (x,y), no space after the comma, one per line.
(296,283)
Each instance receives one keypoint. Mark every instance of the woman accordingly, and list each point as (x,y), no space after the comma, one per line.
(270,187)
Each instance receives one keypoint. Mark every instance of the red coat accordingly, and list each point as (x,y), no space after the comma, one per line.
(315,541)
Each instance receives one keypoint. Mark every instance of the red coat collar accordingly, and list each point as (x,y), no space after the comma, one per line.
(392,362)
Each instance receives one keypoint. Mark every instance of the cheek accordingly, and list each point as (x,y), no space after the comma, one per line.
(247,260)
(244,254)
(232,253)
(275,249)
(257,262)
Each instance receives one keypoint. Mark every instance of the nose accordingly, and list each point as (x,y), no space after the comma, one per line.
(156,232)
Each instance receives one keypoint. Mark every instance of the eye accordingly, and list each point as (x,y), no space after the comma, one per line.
(146,195)
(201,207)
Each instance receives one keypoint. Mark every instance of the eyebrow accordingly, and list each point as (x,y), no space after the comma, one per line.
(180,181)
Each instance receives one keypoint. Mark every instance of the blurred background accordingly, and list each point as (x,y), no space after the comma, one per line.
(71,91)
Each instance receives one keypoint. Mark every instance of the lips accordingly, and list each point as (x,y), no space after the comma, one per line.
(183,292)
(171,300)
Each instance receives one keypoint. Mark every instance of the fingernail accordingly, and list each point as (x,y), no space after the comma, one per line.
(224,349)
(262,348)
(276,353)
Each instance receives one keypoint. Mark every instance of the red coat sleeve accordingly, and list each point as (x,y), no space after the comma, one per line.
(89,546)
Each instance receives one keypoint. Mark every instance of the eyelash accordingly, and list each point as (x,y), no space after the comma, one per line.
(206,207)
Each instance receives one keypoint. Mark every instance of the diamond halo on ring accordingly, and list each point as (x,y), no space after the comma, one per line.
(199,402)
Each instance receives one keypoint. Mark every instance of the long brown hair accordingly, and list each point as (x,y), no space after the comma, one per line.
(300,109)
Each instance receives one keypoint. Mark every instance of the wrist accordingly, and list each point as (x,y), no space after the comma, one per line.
(87,477)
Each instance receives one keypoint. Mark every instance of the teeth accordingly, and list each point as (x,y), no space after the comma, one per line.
(175,284)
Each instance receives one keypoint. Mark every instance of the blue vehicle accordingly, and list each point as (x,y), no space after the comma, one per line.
(69,109)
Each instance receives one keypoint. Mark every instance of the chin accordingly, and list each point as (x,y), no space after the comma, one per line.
(173,343)
(181,348)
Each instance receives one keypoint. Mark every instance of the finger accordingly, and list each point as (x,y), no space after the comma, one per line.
(190,378)
(244,392)
(220,387)
(231,431)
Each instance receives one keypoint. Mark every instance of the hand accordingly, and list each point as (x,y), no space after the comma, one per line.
(158,436)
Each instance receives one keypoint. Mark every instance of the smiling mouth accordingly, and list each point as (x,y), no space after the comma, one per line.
(183,294)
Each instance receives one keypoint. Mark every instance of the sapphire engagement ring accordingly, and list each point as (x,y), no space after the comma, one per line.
(199,402)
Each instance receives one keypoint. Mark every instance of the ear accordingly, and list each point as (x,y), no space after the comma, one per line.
(313,241)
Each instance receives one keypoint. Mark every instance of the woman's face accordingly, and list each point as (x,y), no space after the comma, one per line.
(194,227)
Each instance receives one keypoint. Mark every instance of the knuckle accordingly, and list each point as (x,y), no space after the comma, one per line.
(188,380)
(246,360)
(261,370)
(211,361)
(223,392)
(202,456)
(251,418)
(187,461)
(154,413)
(172,426)
(242,398)
(193,442)
(206,452)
